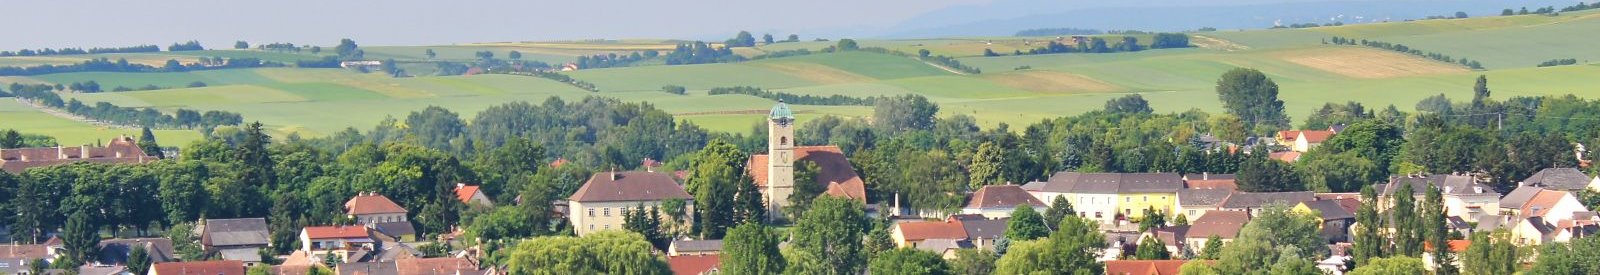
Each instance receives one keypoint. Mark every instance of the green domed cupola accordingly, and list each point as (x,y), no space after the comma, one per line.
(781,112)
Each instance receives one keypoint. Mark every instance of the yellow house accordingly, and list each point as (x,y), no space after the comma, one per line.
(1105,196)
(1133,205)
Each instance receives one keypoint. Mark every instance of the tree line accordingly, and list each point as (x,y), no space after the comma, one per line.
(1100,45)
(192,45)
(110,113)
(1559,62)
(1405,49)
(1058,32)
(122,65)
(833,100)
(72,51)
(700,53)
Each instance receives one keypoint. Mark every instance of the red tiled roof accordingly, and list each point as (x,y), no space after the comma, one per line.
(694,265)
(1542,202)
(430,266)
(337,232)
(924,230)
(1286,156)
(372,203)
(1002,196)
(1316,136)
(836,170)
(1212,184)
(1456,246)
(199,268)
(629,186)
(1144,267)
(465,192)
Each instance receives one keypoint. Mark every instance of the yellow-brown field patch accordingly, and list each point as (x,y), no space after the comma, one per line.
(1051,81)
(813,72)
(1367,63)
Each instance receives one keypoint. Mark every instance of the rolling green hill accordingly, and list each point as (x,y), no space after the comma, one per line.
(1013,89)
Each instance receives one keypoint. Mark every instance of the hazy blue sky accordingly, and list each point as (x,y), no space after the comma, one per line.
(90,23)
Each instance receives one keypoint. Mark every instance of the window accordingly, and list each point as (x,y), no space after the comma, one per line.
(1146,198)
(1127,199)
(783,141)
(591,227)
(591,213)
(608,227)
(606,211)
(1191,212)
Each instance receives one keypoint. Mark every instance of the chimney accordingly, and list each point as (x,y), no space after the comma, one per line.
(460,185)
(1205,175)
(613,174)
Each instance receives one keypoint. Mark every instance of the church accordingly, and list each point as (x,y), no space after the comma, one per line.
(774,171)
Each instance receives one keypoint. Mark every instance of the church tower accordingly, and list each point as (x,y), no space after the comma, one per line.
(780,159)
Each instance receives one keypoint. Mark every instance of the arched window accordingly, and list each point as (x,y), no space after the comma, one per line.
(783,140)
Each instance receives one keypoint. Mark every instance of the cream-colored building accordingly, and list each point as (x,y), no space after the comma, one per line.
(600,203)
(371,208)
(774,171)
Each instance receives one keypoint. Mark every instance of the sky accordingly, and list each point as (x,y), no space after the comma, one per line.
(217,23)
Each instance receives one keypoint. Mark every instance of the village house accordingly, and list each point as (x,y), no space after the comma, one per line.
(472,195)
(1000,200)
(379,213)
(1464,195)
(235,239)
(348,243)
(1562,179)
(983,232)
(695,264)
(1303,140)
(1254,202)
(1335,216)
(1210,181)
(17,257)
(1106,197)
(1174,237)
(1455,246)
(1223,224)
(115,252)
(773,172)
(601,202)
(1194,203)
(914,234)
(121,150)
(223,267)
(1536,216)
(694,247)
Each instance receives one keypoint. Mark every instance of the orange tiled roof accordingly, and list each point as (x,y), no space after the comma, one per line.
(836,171)
(694,265)
(1144,267)
(1455,245)
(465,192)
(372,203)
(924,230)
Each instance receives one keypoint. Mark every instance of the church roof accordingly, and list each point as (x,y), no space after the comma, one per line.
(781,111)
(836,173)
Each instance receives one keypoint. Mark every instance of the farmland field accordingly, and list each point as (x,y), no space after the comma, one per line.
(1016,90)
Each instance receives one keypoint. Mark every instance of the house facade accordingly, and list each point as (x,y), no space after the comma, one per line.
(1105,197)
(997,201)
(342,241)
(371,208)
(236,239)
(600,203)
(121,150)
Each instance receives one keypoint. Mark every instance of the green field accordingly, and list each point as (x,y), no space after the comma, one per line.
(1016,90)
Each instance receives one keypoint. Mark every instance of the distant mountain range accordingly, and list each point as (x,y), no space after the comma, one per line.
(1006,17)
